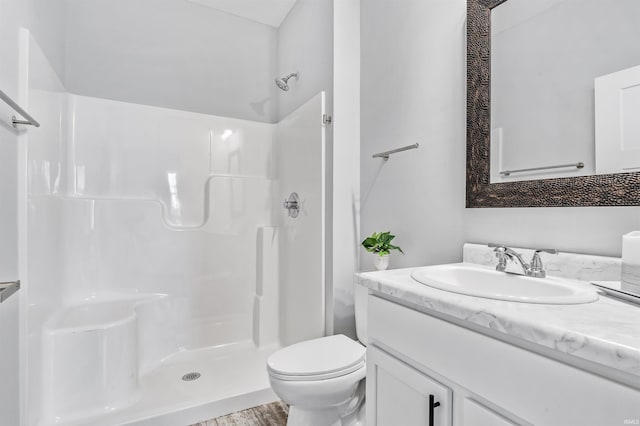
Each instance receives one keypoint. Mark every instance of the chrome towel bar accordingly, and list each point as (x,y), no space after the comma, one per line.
(385,155)
(7,289)
(30,121)
(559,166)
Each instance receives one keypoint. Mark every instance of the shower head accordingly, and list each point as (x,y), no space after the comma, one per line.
(282,82)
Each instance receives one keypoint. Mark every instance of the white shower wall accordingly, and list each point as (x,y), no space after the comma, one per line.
(301,169)
(151,231)
(168,202)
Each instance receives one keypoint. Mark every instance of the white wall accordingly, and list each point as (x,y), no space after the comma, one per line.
(413,72)
(172,53)
(413,90)
(8,214)
(45,17)
(590,230)
(305,45)
(346,162)
(46,20)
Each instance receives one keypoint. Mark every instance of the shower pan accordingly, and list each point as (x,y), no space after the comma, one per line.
(160,270)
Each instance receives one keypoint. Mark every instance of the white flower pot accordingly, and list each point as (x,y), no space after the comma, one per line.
(381,262)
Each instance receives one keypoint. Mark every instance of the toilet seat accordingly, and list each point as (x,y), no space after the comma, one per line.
(317,359)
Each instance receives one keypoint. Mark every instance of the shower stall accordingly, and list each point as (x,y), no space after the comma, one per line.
(159,266)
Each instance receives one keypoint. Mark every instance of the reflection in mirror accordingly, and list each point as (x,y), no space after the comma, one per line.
(565,88)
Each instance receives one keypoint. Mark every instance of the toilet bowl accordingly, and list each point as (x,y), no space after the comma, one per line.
(322,379)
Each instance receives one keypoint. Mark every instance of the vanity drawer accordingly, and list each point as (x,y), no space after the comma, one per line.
(535,388)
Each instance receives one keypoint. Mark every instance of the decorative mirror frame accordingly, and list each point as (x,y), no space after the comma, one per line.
(599,190)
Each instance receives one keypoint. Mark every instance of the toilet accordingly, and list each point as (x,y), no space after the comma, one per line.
(322,379)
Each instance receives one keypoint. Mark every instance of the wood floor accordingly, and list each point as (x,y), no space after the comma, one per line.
(274,414)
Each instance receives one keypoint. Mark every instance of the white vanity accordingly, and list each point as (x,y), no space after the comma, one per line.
(440,358)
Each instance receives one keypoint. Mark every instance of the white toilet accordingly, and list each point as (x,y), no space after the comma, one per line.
(322,379)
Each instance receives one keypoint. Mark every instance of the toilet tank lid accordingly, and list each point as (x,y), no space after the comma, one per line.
(318,356)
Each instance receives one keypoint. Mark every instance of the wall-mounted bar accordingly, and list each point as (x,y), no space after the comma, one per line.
(29,120)
(559,166)
(386,154)
(7,289)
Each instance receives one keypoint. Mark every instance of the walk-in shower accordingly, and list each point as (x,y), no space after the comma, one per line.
(161,269)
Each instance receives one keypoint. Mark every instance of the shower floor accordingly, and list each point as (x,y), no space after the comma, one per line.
(232,378)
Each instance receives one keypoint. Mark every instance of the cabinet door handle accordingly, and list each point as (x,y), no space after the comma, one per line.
(432,404)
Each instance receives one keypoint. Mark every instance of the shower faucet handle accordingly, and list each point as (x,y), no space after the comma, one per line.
(292,204)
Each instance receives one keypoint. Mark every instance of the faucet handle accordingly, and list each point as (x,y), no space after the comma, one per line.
(501,254)
(499,249)
(550,251)
(537,268)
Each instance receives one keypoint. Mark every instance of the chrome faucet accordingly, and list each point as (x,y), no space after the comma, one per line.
(534,269)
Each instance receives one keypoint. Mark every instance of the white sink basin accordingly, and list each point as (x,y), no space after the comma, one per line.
(479,281)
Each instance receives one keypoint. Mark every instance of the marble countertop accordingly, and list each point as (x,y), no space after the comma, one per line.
(606,332)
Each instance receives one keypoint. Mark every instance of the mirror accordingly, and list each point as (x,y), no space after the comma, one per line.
(553,83)
(547,58)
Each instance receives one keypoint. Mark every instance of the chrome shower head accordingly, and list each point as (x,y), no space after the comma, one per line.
(283,82)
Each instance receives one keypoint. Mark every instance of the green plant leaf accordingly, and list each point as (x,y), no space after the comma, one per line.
(392,247)
(380,243)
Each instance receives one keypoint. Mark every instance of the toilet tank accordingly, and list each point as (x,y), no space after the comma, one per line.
(360,304)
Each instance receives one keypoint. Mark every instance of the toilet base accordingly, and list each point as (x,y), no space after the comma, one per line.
(351,413)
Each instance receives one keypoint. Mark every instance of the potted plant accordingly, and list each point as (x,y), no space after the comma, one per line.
(380,245)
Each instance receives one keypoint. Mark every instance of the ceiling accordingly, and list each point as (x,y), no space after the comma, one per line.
(270,12)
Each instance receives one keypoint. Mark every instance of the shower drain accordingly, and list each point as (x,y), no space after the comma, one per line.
(189,377)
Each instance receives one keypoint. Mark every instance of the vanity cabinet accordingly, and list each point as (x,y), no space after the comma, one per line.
(476,414)
(477,379)
(403,395)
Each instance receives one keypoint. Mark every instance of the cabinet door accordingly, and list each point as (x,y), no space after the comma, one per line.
(398,394)
(476,414)
(617,99)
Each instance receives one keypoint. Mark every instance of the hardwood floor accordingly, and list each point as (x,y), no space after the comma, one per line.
(274,414)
